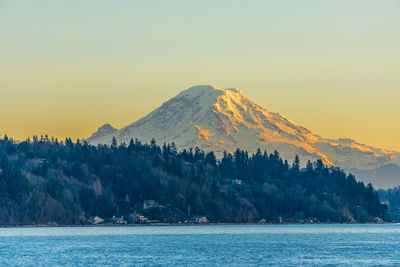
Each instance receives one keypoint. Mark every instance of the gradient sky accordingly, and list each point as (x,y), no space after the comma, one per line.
(67,67)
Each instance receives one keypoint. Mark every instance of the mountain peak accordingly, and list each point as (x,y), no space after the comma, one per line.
(203,91)
(107,127)
(103,131)
(207,90)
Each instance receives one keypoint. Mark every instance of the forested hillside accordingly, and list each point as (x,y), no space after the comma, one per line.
(45,181)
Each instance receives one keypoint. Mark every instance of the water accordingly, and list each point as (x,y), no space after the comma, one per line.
(233,245)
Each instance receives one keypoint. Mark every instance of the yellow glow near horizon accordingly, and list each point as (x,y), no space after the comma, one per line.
(67,67)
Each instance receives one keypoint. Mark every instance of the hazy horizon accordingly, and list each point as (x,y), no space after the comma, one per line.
(68,67)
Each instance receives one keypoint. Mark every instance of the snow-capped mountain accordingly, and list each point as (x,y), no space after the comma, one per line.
(225,119)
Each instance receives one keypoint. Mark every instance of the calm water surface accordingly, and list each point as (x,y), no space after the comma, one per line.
(233,245)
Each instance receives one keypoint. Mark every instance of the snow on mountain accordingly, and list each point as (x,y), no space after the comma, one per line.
(217,119)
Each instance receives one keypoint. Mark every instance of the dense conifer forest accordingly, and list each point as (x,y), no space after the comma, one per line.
(392,198)
(45,181)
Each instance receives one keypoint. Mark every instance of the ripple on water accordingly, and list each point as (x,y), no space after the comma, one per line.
(229,245)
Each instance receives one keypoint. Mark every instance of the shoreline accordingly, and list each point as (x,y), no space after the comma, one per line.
(179,224)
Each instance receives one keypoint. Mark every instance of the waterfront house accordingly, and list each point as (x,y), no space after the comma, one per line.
(150,203)
(96,220)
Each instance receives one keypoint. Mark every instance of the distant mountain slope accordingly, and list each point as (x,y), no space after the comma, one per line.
(387,176)
(225,119)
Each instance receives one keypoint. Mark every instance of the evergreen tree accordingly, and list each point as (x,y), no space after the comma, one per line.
(114,143)
(296,164)
(211,159)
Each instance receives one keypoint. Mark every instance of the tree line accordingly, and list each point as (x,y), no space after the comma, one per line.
(44,180)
